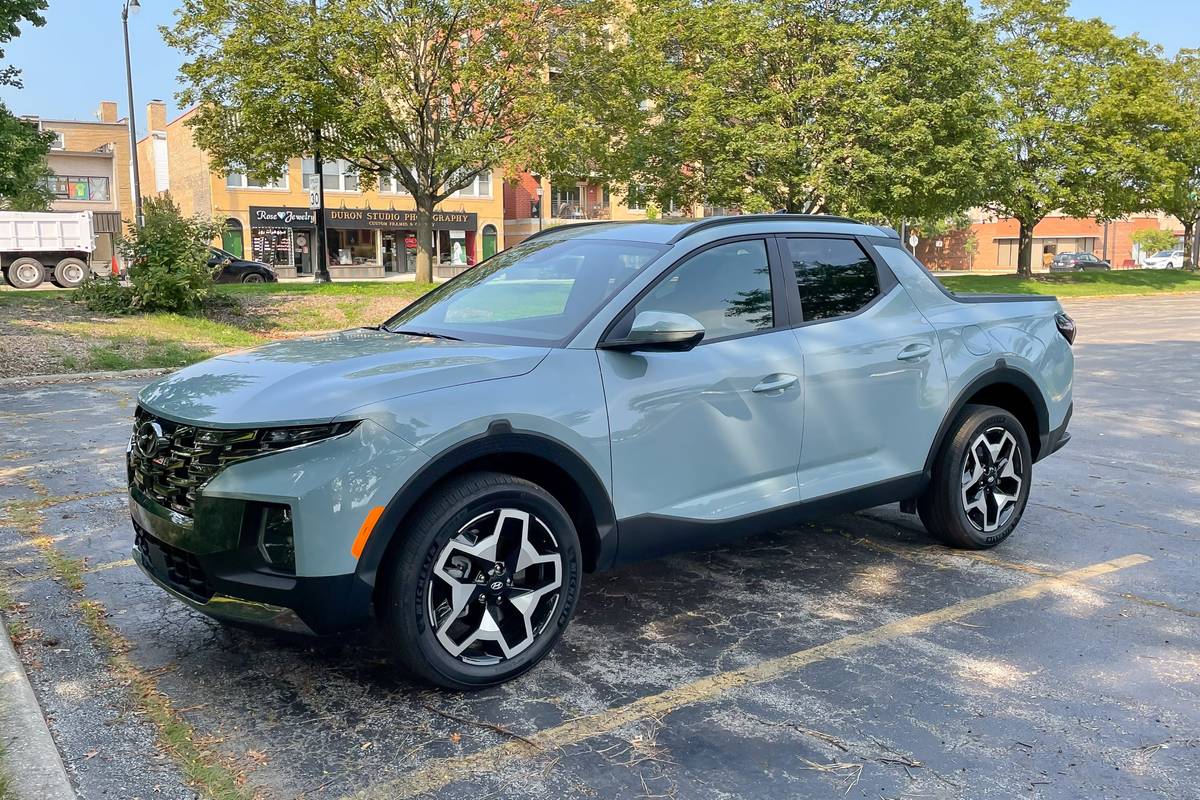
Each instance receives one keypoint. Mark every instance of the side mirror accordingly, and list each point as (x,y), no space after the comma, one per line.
(658,331)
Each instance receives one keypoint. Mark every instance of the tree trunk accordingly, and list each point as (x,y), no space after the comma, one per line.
(424,239)
(1189,258)
(1025,249)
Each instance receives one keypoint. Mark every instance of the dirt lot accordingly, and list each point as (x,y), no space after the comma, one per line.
(854,658)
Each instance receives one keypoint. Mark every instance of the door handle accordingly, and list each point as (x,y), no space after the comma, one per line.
(775,383)
(914,352)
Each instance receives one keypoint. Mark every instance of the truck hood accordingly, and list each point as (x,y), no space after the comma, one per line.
(318,378)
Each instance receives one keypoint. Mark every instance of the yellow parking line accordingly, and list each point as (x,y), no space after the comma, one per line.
(438,773)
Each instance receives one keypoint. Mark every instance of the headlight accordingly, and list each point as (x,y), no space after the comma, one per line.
(250,441)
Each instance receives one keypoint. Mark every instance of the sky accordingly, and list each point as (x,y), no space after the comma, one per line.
(77,59)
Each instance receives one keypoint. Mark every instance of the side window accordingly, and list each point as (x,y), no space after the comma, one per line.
(727,289)
(835,276)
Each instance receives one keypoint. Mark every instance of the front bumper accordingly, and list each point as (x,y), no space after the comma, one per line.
(234,583)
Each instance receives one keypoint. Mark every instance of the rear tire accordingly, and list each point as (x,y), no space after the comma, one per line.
(981,479)
(483,583)
(70,273)
(25,273)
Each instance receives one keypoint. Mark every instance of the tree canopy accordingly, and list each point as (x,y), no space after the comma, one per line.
(426,92)
(868,107)
(23,149)
(1177,191)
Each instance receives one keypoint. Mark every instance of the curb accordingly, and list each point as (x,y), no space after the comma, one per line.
(31,758)
(25,381)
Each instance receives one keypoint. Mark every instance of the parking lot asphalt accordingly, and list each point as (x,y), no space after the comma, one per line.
(853,658)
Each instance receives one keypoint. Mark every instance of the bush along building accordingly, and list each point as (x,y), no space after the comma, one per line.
(371,233)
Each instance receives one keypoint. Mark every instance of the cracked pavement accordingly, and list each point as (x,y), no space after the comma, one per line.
(1090,688)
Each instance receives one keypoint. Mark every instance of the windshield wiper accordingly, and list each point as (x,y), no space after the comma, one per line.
(430,334)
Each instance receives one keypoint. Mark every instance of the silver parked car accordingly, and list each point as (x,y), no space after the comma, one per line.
(598,394)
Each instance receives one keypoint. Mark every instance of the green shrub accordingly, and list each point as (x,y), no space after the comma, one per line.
(105,295)
(168,259)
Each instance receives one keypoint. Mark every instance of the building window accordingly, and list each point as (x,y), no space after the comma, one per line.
(240,180)
(480,187)
(565,202)
(389,184)
(70,187)
(352,246)
(59,142)
(635,197)
(340,175)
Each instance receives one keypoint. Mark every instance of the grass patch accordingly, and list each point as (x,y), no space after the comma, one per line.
(202,767)
(1080,284)
(409,291)
(160,327)
(6,786)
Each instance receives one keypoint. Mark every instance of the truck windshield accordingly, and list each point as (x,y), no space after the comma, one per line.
(539,292)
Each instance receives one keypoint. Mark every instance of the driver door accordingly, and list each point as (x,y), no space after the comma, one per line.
(711,434)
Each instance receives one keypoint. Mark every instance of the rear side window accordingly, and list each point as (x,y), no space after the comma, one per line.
(835,276)
(726,288)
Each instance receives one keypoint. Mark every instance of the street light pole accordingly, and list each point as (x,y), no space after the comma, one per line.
(539,204)
(321,273)
(134,6)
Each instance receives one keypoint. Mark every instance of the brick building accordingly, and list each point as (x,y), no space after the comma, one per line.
(990,244)
(371,233)
(90,162)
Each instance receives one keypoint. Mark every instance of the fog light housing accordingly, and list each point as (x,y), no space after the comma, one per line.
(275,541)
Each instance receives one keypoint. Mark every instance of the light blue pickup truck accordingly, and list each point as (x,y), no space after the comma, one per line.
(598,394)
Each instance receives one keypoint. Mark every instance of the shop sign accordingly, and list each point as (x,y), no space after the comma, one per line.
(281,217)
(398,220)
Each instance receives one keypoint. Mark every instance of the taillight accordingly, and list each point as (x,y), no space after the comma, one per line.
(1066,326)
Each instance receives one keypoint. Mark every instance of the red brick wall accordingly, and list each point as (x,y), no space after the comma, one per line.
(953,254)
(519,195)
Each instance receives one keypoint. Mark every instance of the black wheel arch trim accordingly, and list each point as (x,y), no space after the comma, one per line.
(1001,373)
(499,438)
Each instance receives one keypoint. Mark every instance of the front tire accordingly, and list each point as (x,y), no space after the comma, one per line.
(980,482)
(252,277)
(484,582)
(25,273)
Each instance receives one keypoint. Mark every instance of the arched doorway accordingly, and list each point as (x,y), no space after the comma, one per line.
(231,237)
(489,241)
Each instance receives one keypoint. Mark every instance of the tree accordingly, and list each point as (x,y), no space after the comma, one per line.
(23,149)
(1178,192)
(1078,116)
(867,107)
(426,92)
(1153,240)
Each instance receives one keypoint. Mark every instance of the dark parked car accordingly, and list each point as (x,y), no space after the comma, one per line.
(1078,262)
(228,268)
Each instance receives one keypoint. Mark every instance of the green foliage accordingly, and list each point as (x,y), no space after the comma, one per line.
(863,107)
(1177,192)
(23,168)
(1078,115)
(12,14)
(168,259)
(431,93)
(107,295)
(1080,284)
(1152,240)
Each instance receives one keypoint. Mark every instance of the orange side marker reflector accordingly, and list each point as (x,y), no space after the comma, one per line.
(364,532)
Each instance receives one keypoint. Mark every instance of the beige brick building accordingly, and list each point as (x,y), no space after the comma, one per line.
(371,233)
(90,161)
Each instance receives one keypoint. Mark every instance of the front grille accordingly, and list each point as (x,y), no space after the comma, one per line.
(187,457)
(178,567)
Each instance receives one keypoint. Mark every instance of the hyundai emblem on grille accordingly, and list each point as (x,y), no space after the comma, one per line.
(150,439)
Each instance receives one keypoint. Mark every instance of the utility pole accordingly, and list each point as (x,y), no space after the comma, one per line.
(321,274)
(134,6)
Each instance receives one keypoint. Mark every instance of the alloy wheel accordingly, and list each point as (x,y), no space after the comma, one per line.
(991,479)
(495,586)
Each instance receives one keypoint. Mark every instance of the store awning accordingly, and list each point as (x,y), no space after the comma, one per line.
(107,221)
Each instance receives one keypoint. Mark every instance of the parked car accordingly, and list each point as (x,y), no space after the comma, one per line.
(455,471)
(228,268)
(1164,259)
(1078,262)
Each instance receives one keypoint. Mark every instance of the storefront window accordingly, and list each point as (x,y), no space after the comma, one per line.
(272,246)
(352,246)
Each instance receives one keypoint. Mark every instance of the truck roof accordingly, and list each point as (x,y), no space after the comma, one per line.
(674,229)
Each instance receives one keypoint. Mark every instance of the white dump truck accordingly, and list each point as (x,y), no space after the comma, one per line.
(36,246)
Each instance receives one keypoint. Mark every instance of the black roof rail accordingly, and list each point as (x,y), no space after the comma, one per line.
(714,222)
(565,227)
